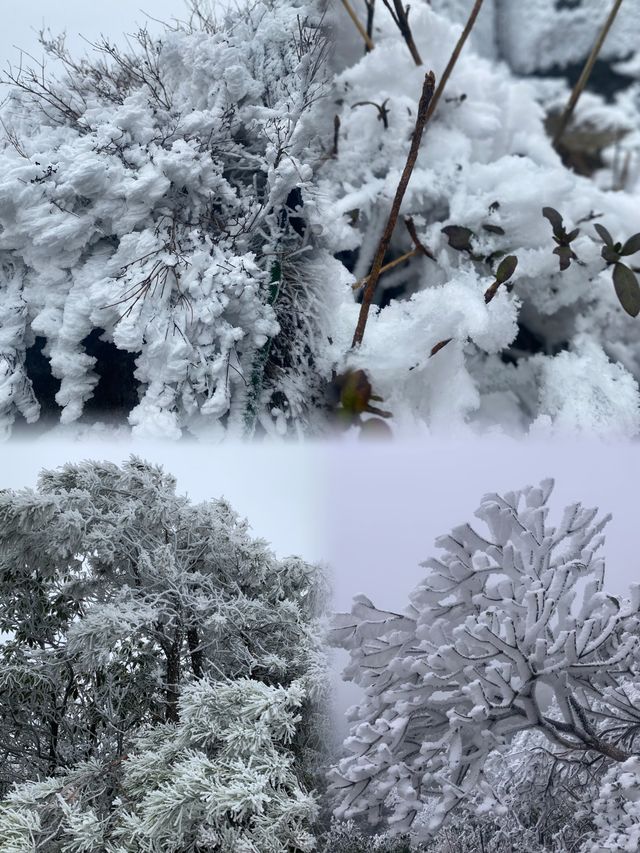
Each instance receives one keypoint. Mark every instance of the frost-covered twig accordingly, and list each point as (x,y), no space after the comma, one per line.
(376,269)
(586,73)
(358,24)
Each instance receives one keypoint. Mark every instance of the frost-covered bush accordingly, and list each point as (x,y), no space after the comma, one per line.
(510,630)
(347,837)
(223,779)
(151,196)
(124,609)
(542,800)
(617,810)
(556,351)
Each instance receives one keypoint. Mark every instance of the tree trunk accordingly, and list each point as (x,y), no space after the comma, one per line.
(195,652)
(173,675)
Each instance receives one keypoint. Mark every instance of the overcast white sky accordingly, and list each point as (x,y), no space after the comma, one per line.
(24,18)
(388,504)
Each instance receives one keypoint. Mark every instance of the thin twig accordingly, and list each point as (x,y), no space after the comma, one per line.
(383,112)
(391,265)
(356,20)
(454,57)
(418,249)
(371,8)
(586,73)
(421,119)
(411,228)
(400,15)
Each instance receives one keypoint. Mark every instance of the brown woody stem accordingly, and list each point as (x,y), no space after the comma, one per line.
(454,57)
(385,240)
(586,73)
(358,24)
(400,16)
(396,262)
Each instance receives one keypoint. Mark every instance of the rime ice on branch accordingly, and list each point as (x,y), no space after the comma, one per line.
(510,630)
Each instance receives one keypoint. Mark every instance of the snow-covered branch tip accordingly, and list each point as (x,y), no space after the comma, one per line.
(511,630)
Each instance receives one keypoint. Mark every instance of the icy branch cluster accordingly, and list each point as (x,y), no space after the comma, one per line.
(161,670)
(510,630)
(222,779)
(149,194)
(617,810)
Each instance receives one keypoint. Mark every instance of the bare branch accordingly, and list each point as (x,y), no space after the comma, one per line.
(586,73)
(400,15)
(374,275)
(454,57)
(358,24)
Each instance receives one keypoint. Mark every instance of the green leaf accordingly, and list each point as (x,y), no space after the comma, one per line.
(631,246)
(355,391)
(610,255)
(493,229)
(555,219)
(627,289)
(506,268)
(604,234)
(565,254)
(571,236)
(459,237)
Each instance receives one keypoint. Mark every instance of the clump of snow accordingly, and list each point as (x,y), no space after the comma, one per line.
(486,164)
(150,195)
(617,810)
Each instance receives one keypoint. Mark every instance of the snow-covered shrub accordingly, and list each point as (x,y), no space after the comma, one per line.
(151,197)
(347,837)
(541,801)
(131,621)
(486,164)
(616,810)
(197,208)
(510,630)
(223,778)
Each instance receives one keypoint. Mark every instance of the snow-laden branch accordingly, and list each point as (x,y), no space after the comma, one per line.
(510,630)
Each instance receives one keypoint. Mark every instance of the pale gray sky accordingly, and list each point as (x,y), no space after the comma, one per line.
(388,503)
(79,18)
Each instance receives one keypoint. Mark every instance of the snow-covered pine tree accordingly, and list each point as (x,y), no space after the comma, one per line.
(223,778)
(151,202)
(131,620)
(510,630)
